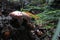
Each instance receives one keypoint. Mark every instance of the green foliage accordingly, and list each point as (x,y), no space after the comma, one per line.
(28,8)
(47,16)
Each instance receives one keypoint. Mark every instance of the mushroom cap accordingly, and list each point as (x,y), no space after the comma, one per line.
(18,14)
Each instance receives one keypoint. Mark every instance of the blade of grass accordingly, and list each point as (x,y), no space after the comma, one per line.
(57,31)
